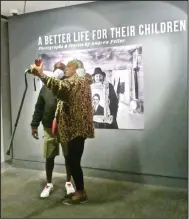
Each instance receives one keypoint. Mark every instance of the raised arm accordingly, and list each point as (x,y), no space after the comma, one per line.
(60,88)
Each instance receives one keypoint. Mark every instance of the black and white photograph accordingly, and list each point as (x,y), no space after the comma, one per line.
(118,83)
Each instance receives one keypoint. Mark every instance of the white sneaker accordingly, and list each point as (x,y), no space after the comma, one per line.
(47,190)
(69,188)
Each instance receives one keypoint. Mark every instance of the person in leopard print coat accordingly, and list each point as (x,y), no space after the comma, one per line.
(74,116)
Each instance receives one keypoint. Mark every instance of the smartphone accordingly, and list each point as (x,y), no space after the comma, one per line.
(38,61)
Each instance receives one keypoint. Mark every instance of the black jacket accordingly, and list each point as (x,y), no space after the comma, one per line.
(99,111)
(44,109)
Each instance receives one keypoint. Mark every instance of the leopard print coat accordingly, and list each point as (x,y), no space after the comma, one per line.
(74,114)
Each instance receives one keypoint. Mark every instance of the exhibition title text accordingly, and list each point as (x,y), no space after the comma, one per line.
(114,35)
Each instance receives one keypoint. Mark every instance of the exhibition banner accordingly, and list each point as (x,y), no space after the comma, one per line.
(116,68)
(106,37)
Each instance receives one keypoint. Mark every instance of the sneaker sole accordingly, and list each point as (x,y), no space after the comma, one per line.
(83,202)
(65,203)
(48,195)
(68,204)
(70,192)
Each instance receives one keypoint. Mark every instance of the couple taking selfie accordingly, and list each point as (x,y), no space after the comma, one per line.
(64,106)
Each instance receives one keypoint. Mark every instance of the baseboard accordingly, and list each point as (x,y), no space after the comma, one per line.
(5,166)
(137,178)
(2,167)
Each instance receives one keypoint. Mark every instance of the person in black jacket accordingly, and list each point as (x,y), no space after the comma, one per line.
(45,112)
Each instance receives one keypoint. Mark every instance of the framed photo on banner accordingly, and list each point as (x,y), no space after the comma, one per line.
(100,100)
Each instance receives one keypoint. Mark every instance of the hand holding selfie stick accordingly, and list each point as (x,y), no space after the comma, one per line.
(28,71)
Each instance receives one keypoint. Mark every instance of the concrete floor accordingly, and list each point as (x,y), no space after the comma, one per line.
(107,198)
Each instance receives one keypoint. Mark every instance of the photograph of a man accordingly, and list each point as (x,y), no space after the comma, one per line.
(98,110)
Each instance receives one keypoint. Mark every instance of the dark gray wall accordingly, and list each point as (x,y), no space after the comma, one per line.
(160,149)
(5,92)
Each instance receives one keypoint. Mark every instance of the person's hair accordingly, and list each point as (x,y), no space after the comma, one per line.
(61,66)
(78,63)
(103,75)
(96,95)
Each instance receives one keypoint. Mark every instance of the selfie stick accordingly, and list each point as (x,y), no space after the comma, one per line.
(18,116)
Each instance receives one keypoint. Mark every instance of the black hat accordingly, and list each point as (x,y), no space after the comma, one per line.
(98,71)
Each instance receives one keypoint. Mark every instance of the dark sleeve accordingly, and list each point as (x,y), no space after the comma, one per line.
(113,100)
(39,109)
